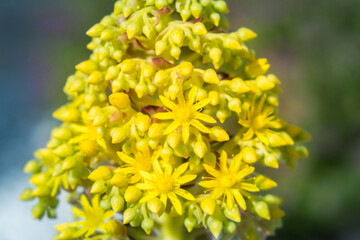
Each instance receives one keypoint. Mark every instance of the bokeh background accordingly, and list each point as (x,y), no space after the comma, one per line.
(313,47)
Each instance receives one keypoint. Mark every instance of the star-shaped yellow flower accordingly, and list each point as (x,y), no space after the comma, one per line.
(229,182)
(94,218)
(166,183)
(142,162)
(185,114)
(259,121)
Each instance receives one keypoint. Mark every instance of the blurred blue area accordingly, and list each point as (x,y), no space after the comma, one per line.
(313,47)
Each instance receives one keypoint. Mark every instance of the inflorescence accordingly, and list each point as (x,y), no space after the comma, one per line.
(172,116)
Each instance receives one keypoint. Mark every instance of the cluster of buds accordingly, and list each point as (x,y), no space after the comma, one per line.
(169,121)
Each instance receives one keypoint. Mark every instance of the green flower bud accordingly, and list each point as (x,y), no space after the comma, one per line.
(190,223)
(129,215)
(147,224)
(216,228)
(117,203)
(32,166)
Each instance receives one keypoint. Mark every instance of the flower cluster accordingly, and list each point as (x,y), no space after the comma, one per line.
(171,117)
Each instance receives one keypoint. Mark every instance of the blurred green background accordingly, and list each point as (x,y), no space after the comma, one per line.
(313,47)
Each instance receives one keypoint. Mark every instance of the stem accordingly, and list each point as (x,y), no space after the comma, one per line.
(172,228)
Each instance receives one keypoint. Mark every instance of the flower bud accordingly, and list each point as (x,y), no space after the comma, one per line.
(232,44)
(118,135)
(239,86)
(160,47)
(128,66)
(220,6)
(264,183)
(113,227)
(87,66)
(95,77)
(173,139)
(262,209)
(271,161)
(210,76)
(190,223)
(89,147)
(246,34)
(235,105)
(32,166)
(132,194)
(216,228)
(208,205)
(196,9)
(175,52)
(186,69)
(119,180)
(233,213)
(177,36)
(215,54)
(154,205)
(119,100)
(199,29)
(95,30)
(143,122)
(107,35)
(147,224)
(222,115)
(26,195)
(200,149)
(219,134)
(101,173)
(249,155)
(264,84)
(173,91)
(64,150)
(66,114)
(215,18)
(155,130)
(161,77)
(98,187)
(230,227)
(38,211)
(61,133)
(129,215)
(185,14)
(148,71)
(132,30)
(117,203)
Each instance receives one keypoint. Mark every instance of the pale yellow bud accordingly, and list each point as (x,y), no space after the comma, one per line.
(160,47)
(119,180)
(161,77)
(235,105)
(61,133)
(216,228)
(186,69)
(215,54)
(113,227)
(264,83)
(154,205)
(69,163)
(210,76)
(89,147)
(264,183)
(177,36)
(271,161)
(246,34)
(199,28)
(208,205)
(148,71)
(95,30)
(119,100)
(200,149)
(262,209)
(249,155)
(117,203)
(64,150)
(98,187)
(155,130)
(132,194)
(173,139)
(128,66)
(232,44)
(87,66)
(32,166)
(41,191)
(239,86)
(190,223)
(107,35)
(101,172)
(233,213)
(95,78)
(257,67)
(129,215)
(143,122)
(219,134)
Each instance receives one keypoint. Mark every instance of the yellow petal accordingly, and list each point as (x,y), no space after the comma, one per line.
(85,203)
(149,196)
(180,170)
(201,127)
(208,184)
(205,118)
(244,172)
(185,194)
(239,198)
(185,179)
(249,187)
(192,96)
(176,203)
(201,104)
(223,161)
(185,132)
(164,115)
(125,158)
(172,127)
(167,103)
(212,171)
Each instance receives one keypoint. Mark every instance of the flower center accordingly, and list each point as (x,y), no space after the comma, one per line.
(227,181)
(165,183)
(184,114)
(258,122)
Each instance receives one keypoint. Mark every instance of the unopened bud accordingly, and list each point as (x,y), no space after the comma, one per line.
(129,215)
(216,228)
(89,147)
(249,155)
(210,76)
(208,205)
(101,172)
(117,203)
(119,100)
(98,187)
(143,122)
(132,194)
(147,224)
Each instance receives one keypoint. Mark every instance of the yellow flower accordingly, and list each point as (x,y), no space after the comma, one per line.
(94,217)
(166,183)
(142,161)
(259,120)
(185,114)
(229,181)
